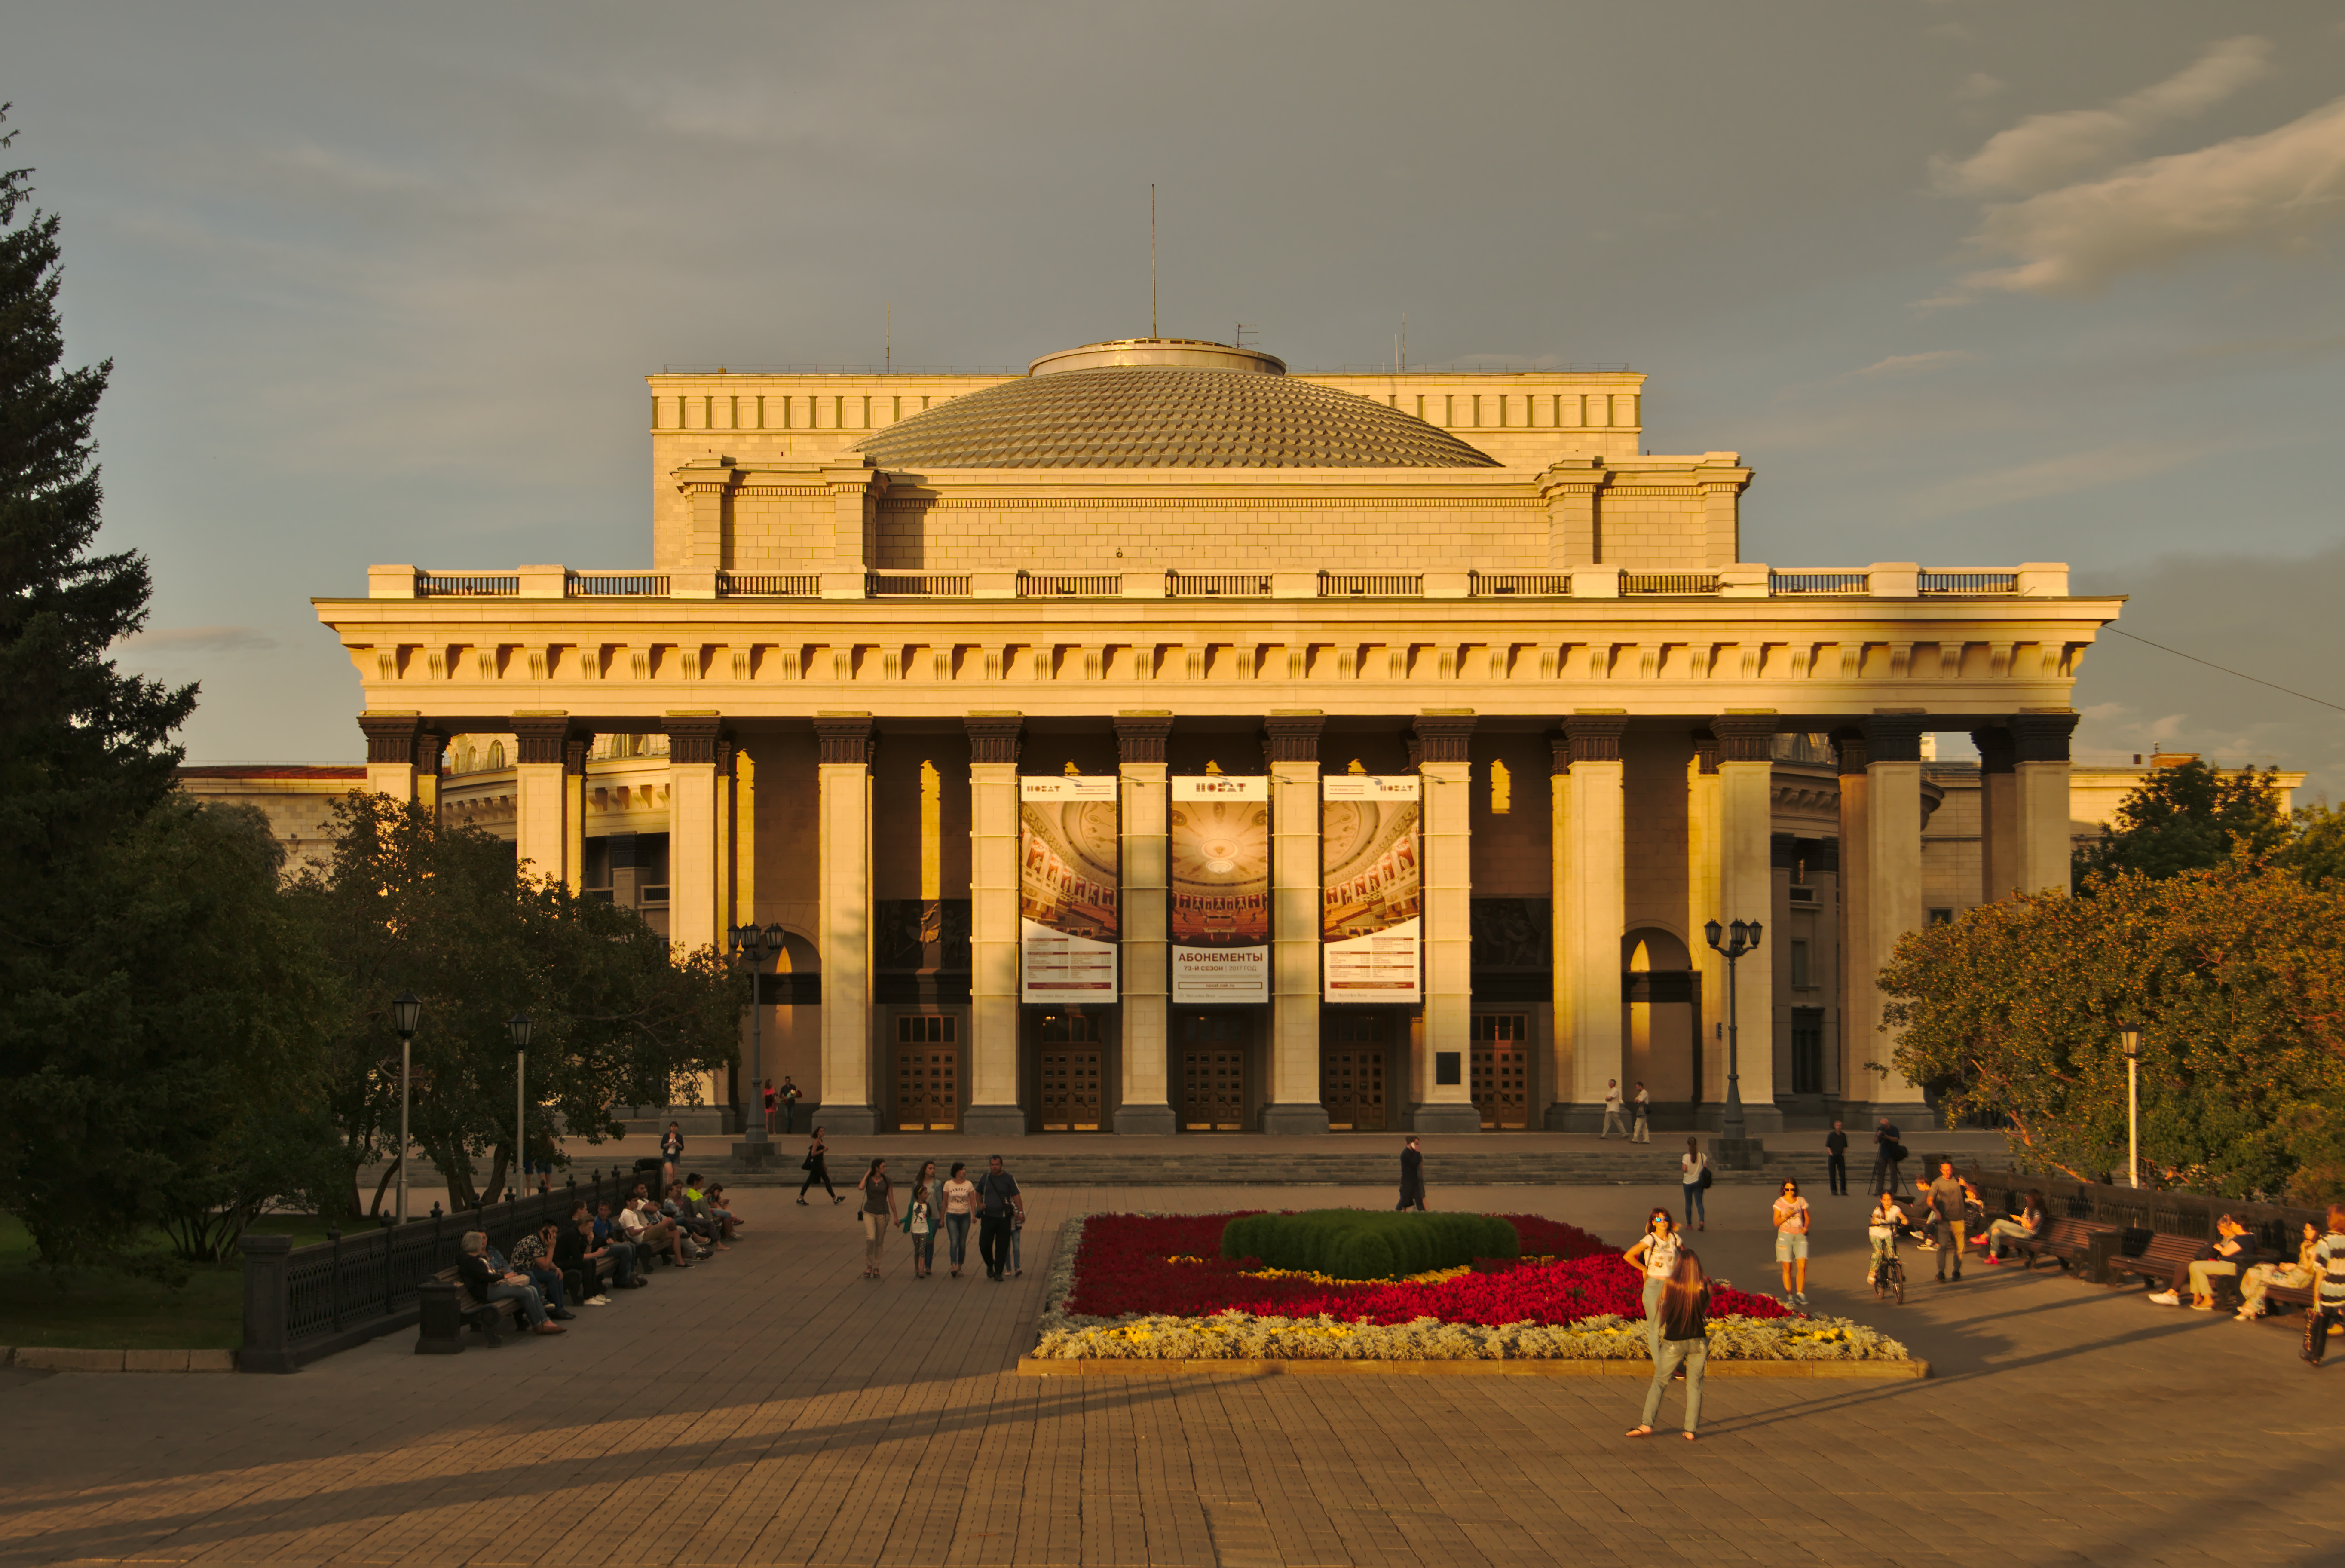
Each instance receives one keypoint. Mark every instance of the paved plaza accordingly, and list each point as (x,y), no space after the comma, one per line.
(774,1407)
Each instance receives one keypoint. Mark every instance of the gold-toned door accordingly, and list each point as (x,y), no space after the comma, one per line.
(927,1073)
(1352,1070)
(1213,1071)
(1500,1068)
(1068,1063)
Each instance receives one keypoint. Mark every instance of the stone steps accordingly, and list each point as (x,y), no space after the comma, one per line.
(1208,1167)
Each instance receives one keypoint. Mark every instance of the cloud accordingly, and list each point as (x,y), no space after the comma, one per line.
(1976,88)
(168,640)
(2271,188)
(1911,365)
(2064,476)
(2043,150)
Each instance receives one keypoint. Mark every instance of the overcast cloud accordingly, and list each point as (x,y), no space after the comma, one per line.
(381,283)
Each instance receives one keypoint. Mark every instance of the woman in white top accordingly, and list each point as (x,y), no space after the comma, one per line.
(1691,1164)
(1655,1254)
(1790,1216)
(961,1203)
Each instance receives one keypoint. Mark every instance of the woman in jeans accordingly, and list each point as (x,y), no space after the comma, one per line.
(1654,1254)
(2024,1228)
(959,1204)
(922,1212)
(878,1213)
(1690,1165)
(1684,1342)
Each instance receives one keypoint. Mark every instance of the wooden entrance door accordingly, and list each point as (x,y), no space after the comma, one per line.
(1501,1071)
(1352,1069)
(1213,1071)
(1068,1060)
(927,1073)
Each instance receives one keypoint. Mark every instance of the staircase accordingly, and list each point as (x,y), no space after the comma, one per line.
(1209,1166)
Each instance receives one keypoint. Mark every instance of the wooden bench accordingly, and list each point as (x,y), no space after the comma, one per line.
(455,1310)
(2162,1261)
(2066,1241)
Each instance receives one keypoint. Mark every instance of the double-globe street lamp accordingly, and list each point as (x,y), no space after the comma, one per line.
(753,947)
(518,1026)
(1740,937)
(406,1015)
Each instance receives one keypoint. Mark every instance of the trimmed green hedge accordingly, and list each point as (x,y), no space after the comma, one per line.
(1369,1244)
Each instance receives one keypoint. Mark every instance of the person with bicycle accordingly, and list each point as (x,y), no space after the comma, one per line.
(1882,1225)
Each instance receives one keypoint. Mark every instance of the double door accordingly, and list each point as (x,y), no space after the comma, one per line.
(1068,1063)
(1499,1068)
(927,1073)
(1351,1054)
(1212,1084)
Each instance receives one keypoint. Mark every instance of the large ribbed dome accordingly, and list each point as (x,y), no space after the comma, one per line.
(1166,416)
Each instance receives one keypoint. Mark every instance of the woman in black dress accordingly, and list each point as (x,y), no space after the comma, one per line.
(1412,1177)
(816,1171)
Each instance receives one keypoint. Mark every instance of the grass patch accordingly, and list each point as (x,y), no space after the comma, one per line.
(98,1308)
(1369,1244)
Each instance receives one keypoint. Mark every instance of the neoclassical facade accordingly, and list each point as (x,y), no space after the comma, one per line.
(1225,605)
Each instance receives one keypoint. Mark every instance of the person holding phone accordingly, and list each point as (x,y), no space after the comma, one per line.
(1654,1254)
(1791,1215)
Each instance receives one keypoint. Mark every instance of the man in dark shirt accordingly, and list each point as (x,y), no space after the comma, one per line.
(1946,1203)
(1836,1145)
(486,1282)
(1885,1145)
(578,1258)
(999,1206)
(534,1256)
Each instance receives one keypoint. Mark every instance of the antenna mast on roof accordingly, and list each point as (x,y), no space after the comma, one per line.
(1151,258)
(890,349)
(1404,340)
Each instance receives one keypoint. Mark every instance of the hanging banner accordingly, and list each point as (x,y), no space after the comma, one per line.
(1068,872)
(1221,890)
(1370,923)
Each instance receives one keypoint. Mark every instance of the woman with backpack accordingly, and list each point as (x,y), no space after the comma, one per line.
(1693,1169)
(1684,1342)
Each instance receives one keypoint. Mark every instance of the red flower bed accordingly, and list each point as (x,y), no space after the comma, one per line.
(1124,1267)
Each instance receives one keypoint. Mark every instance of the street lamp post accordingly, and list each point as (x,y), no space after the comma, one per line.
(518,1025)
(1740,937)
(752,947)
(2131,1035)
(406,1013)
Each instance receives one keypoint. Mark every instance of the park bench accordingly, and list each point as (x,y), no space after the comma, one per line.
(2162,1259)
(448,1311)
(2067,1241)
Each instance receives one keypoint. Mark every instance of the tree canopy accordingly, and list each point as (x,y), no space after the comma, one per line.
(2187,816)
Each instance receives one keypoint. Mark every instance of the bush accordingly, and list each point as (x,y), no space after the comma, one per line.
(1366,1244)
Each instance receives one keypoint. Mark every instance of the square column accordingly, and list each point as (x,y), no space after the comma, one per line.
(994,1110)
(541,800)
(1704,898)
(692,915)
(2040,799)
(1144,791)
(1746,891)
(1447,776)
(574,748)
(1589,915)
(1291,751)
(1860,1002)
(1893,850)
(1998,815)
(392,740)
(843,861)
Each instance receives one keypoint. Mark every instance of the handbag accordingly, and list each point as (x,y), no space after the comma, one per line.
(1704,1182)
(806,1164)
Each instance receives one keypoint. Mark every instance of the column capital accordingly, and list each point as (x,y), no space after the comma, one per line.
(1595,736)
(1995,752)
(1444,734)
(1745,737)
(994,737)
(574,748)
(430,745)
(2041,735)
(842,737)
(692,738)
(1140,737)
(1893,737)
(1292,735)
(391,736)
(1705,752)
(539,737)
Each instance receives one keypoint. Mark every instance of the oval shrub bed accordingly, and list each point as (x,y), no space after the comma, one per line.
(1358,1244)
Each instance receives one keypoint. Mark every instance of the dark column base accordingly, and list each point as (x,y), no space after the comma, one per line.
(1308,1117)
(1146,1120)
(756,1153)
(850,1120)
(1448,1119)
(1568,1116)
(1758,1121)
(1739,1153)
(994,1122)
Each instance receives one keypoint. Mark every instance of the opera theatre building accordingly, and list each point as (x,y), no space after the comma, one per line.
(1159,741)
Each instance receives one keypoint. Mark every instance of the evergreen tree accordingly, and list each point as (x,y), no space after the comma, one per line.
(2187,816)
(85,754)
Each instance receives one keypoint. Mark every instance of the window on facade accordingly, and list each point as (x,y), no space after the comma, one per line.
(1502,789)
(496,755)
(1800,965)
(1941,917)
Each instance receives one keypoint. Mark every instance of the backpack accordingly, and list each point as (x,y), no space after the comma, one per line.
(1704,1183)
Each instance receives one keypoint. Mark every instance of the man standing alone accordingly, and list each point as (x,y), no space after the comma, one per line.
(1642,1132)
(1946,1203)
(1885,1151)
(1612,1109)
(1836,1165)
(1412,1177)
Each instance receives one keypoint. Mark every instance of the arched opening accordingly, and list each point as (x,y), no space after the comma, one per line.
(1660,995)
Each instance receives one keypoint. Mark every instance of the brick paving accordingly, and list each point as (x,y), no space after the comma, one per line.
(774,1407)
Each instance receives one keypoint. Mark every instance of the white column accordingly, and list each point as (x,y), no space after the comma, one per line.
(843,852)
(1894,877)
(1446,775)
(994,1109)
(1291,746)
(1998,815)
(1746,786)
(1146,1105)
(1589,916)
(1860,1003)
(692,922)
(2040,799)
(1703,900)
(541,814)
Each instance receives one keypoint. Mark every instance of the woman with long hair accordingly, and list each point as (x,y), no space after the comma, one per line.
(879,1210)
(1684,1342)
(959,1207)
(816,1169)
(921,1221)
(1655,1256)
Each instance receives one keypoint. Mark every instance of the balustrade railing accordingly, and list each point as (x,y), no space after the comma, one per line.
(447,586)
(1527,585)
(769,585)
(1818,582)
(1217,584)
(933,584)
(617,585)
(1970,582)
(1668,583)
(1068,585)
(1372,584)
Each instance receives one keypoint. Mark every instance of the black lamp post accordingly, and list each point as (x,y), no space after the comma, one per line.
(518,1026)
(1740,938)
(406,1014)
(753,947)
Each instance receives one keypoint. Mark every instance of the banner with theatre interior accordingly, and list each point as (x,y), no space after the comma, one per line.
(1069,867)
(1221,890)
(1372,906)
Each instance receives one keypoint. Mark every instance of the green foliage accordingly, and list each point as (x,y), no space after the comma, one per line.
(1369,1244)
(2187,816)
(408,905)
(2317,851)
(2236,977)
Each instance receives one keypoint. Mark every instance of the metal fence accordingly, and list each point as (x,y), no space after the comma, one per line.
(304,1302)
(2277,1226)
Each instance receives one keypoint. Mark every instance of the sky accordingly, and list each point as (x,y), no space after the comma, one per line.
(1970,283)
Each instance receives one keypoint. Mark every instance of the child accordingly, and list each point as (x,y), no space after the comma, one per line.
(1881,1225)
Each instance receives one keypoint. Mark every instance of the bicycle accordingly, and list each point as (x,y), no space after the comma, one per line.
(1889,1277)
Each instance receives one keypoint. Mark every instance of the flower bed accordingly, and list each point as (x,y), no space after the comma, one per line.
(1153,1287)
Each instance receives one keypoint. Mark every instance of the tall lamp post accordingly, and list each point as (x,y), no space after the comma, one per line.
(406,1014)
(2131,1035)
(753,947)
(1739,939)
(518,1026)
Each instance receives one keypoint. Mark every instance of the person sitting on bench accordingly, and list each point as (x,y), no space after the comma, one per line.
(577,1255)
(2026,1227)
(487,1286)
(650,1233)
(2293,1276)
(2234,1249)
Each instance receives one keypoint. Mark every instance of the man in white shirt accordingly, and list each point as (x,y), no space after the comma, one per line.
(651,1233)
(1612,1109)
(1643,1131)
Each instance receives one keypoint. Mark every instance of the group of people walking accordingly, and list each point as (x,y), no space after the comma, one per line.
(928,1206)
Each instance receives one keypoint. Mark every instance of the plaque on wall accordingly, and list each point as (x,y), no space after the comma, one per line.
(1068,872)
(1372,902)
(1221,890)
